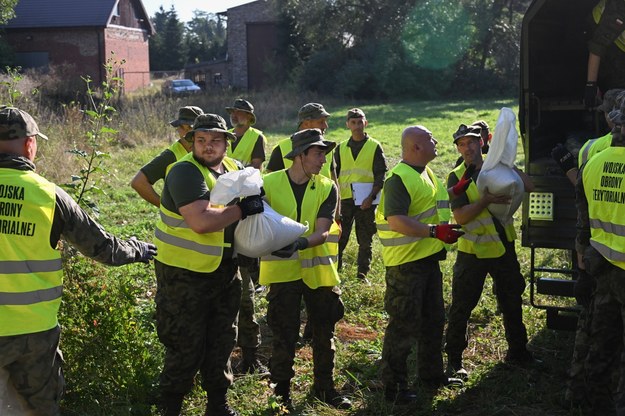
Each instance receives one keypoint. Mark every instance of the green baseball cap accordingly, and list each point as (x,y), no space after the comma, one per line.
(16,123)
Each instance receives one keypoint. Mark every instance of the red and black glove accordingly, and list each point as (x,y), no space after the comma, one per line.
(447,233)
(465,181)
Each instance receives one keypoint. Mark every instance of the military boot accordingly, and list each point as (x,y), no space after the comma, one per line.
(251,364)
(217,404)
(332,398)
(282,391)
(170,404)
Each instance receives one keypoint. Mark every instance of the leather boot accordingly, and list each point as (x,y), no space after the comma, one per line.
(282,391)
(251,364)
(170,405)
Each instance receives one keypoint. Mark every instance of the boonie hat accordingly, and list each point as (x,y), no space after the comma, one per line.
(355,113)
(186,115)
(210,122)
(611,99)
(243,105)
(467,131)
(16,123)
(311,111)
(304,139)
(481,124)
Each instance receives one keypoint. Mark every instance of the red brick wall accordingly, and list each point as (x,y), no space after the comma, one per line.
(130,45)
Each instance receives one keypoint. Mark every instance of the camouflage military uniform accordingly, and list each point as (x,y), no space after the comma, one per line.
(249,330)
(196,320)
(365,230)
(34,360)
(414,303)
(283,315)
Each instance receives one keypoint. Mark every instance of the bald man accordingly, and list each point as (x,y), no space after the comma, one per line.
(412,222)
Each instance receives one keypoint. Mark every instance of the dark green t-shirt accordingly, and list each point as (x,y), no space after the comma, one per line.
(327,208)
(157,167)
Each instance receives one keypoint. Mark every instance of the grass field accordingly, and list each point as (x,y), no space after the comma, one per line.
(113,356)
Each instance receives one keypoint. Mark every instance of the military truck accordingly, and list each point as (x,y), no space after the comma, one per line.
(554,58)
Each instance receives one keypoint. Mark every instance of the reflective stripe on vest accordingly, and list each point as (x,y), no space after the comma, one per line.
(286,146)
(178,245)
(604,186)
(245,146)
(426,194)
(315,265)
(359,170)
(31,272)
(592,147)
(481,237)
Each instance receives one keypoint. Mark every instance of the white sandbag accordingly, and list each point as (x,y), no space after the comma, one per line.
(502,180)
(258,235)
(497,173)
(236,184)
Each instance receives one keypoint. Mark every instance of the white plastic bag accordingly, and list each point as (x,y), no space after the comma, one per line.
(236,184)
(497,173)
(258,235)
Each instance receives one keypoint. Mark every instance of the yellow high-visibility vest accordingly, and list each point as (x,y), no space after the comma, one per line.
(286,146)
(245,147)
(31,272)
(481,237)
(316,266)
(178,245)
(592,147)
(604,187)
(359,170)
(429,205)
(179,152)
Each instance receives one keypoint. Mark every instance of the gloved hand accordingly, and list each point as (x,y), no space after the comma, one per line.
(584,286)
(591,93)
(465,181)
(145,251)
(563,157)
(251,205)
(447,233)
(300,244)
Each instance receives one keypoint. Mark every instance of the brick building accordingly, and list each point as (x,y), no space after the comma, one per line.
(83,34)
(253,59)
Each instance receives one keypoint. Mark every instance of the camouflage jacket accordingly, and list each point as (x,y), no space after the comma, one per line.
(76,227)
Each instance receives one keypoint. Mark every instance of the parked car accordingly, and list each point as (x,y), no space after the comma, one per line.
(180,87)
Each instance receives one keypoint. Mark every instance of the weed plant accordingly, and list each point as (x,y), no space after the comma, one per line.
(112,353)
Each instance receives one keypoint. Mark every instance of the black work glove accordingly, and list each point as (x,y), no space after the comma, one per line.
(300,244)
(563,157)
(145,251)
(251,205)
(447,233)
(584,286)
(465,181)
(591,93)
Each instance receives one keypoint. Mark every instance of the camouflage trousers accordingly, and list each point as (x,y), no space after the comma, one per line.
(414,303)
(33,362)
(249,330)
(365,230)
(196,320)
(466,290)
(283,314)
(606,343)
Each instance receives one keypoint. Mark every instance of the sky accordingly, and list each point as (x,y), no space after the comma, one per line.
(185,8)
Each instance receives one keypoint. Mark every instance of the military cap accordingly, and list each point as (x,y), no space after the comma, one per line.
(311,111)
(610,100)
(467,131)
(186,115)
(304,139)
(355,113)
(16,124)
(243,105)
(210,122)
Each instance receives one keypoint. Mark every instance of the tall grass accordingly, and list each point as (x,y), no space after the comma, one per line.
(113,356)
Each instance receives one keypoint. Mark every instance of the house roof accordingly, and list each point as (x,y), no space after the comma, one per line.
(65,13)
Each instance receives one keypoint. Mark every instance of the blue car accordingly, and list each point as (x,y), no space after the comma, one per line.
(180,87)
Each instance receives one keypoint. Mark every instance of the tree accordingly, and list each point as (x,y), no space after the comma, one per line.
(7,11)
(205,37)
(167,49)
